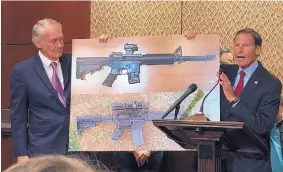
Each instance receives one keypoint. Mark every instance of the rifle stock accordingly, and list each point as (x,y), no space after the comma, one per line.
(90,65)
(84,122)
(82,125)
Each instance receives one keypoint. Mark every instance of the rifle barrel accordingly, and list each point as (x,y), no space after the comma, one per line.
(163,59)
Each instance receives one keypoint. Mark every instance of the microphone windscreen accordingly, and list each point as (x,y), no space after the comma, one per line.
(193,87)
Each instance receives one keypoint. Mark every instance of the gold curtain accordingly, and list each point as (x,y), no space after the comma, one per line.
(141,18)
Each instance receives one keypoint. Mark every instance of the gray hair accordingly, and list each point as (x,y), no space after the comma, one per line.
(39,26)
(256,36)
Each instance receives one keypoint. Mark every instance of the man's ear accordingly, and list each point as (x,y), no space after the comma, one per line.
(257,50)
(37,43)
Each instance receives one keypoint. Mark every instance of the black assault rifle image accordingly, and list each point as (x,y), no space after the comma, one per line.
(131,63)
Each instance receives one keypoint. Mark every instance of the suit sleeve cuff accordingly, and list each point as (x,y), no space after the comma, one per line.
(235,102)
(233,105)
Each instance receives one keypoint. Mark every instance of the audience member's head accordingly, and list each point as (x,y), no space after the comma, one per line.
(226,56)
(51,163)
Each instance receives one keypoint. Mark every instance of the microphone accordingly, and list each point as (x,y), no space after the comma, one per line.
(192,88)
(201,107)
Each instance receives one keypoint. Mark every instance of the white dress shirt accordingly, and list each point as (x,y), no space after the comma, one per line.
(48,68)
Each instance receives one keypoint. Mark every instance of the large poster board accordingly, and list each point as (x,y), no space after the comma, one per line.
(118,87)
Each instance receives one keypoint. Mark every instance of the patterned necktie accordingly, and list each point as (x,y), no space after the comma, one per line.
(56,84)
(240,85)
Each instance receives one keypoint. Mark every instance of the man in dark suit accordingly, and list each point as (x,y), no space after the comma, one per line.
(249,94)
(40,95)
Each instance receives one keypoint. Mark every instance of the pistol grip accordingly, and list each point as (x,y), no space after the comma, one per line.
(109,80)
(118,131)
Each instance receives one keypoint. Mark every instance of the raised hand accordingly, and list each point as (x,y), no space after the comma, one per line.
(191,35)
(104,38)
(227,87)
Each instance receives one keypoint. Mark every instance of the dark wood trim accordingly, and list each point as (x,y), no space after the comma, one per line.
(6,130)
(210,137)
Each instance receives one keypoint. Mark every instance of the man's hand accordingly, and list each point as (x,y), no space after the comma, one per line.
(21,159)
(141,157)
(137,155)
(144,157)
(227,88)
(191,35)
(104,38)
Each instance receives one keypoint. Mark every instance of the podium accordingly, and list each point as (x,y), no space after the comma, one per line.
(210,139)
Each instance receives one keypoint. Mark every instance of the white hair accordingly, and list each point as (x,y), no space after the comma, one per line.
(39,26)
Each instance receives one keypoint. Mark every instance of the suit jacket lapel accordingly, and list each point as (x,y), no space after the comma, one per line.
(38,67)
(65,71)
(233,74)
(254,80)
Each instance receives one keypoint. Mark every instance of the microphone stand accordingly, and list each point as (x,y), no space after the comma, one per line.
(192,88)
(199,116)
(177,111)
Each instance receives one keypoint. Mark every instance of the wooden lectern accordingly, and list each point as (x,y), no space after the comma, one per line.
(209,138)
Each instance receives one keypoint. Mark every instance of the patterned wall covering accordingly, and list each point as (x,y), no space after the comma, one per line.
(227,18)
(132,18)
(135,18)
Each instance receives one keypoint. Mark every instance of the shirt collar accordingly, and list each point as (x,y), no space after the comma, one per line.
(45,61)
(249,70)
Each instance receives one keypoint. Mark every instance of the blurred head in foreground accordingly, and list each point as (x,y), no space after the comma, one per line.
(51,163)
